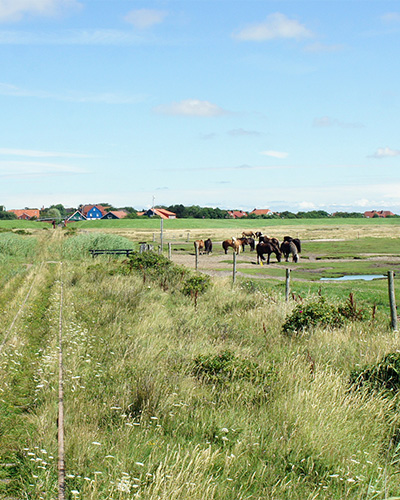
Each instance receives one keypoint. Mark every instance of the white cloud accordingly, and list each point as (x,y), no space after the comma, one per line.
(191,107)
(14,10)
(385,153)
(27,169)
(145,18)
(319,47)
(275,154)
(326,121)
(106,97)
(275,26)
(40,154)
(391,18)
(241,132)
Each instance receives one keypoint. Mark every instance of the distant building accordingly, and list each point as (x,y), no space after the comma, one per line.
(26,214)
(76,216)
(380,213)
(115,214)
(161,212)
(92,212)
(261,211)
(237,214)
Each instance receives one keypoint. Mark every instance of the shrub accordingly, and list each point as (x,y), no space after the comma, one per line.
(224,367)
(383,376)
(196,284)
(305,316)
(149,260)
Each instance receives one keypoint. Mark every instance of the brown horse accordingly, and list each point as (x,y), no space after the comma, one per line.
(235,243)
(267,248)
(248,234)
(199,246)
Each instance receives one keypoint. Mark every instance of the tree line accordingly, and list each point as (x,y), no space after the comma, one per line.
(58,211)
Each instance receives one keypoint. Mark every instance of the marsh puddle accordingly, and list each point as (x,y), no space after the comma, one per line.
(352,277)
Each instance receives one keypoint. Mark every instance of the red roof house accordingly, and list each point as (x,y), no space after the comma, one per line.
(237,214)
(380,213)
(26,214)
(261,211)
(161,212)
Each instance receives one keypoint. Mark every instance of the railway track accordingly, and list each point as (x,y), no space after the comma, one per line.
(11,343)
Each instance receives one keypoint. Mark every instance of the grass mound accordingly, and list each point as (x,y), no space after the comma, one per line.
(78,246)
(383,376)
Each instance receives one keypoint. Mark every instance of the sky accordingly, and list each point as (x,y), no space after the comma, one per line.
(236,104)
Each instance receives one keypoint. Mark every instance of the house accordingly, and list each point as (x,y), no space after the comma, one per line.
(161,212)
(92,212)
(237,214)
(261,211)
(76,216)
(26,214)
(380,213)
(115,214)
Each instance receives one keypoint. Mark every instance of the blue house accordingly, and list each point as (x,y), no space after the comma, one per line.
(93,212)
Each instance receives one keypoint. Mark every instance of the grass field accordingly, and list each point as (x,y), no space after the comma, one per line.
(172,394)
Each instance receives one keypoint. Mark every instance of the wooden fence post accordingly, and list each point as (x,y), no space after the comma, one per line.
(169,250)
(196,260)
(287,288)
(392,300)
(161,233)
(234,267)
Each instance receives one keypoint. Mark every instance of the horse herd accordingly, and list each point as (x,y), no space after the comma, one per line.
(265,246)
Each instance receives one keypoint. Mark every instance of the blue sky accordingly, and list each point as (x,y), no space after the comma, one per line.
(287,105)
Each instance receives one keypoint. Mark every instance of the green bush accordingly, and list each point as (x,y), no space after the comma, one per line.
(196,284)
(149,260)
(323,313)
(383,376)
(224,367)
(306,316)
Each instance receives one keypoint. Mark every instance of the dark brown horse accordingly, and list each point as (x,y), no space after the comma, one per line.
(267,248)
(291,246)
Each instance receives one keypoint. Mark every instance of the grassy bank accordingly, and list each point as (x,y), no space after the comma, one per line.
(176,395)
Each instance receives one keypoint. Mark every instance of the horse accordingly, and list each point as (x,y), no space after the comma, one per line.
(247,234)
(268,248)
(208,246)
(251,243)
(265,239)
(291,246)
(199,246)
(236,244)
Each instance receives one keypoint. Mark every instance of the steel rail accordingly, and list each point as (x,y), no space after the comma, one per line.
(8,332)
(61,449)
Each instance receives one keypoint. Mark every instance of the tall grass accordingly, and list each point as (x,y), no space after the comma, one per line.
(78,246)
(144,421)
(14,245)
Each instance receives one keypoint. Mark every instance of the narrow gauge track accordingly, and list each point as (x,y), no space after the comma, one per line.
(60,419)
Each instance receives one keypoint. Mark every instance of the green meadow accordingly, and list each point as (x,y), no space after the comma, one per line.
(186,385)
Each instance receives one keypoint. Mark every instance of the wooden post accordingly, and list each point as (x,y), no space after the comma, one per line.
(392,300)
(161,233)
(169,250)
(234,267)
(188,237)
(196,259)
(287,289)
(154,236)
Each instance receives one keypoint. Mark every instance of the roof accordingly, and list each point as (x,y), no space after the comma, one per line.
(33,212)
(237,214)
(380,213)
(161,212)
(87,208)
(119,213)
(261,211)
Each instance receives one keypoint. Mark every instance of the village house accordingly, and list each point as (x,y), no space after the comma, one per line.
(261,211)
(237,214)
(161,212)
(92,212)
(26,214)
(380,213)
